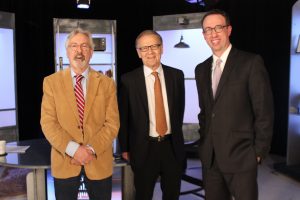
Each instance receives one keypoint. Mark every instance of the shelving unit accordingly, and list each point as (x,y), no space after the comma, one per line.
(292,165)
(293,156)
(103,60)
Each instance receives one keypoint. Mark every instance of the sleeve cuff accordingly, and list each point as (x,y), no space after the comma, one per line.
(91,148)
(72,148)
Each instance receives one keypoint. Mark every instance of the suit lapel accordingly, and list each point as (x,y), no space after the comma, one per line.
(91,92)
(169,83)
(69,91)
(229,65)
(141,88)
(208,72)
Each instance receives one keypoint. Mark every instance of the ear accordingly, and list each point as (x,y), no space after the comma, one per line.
(139,53)
(204,36)
(68,53)
(229,29)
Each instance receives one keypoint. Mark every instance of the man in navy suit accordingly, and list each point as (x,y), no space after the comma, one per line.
(236,118)
(151,154)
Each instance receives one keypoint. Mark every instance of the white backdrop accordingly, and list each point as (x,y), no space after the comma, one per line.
(186,59)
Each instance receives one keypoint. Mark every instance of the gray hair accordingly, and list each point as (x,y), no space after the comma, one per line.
(84,32)
(148,32)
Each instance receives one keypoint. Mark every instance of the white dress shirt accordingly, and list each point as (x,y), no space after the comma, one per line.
(223,57)
(150,79)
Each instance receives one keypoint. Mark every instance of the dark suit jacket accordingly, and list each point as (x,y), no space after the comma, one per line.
(238,124)
(134,113)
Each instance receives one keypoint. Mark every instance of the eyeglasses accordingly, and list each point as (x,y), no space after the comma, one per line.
(152,47)
(83,46)
(217,28)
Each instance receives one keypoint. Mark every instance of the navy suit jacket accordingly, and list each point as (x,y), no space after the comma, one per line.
(238,124)
(134,113)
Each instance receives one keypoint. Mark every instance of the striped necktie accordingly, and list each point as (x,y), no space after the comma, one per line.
(79,97)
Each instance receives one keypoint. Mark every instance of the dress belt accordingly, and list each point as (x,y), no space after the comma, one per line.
(160,138)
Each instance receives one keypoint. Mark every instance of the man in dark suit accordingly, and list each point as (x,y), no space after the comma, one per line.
(151,152)
(236,118)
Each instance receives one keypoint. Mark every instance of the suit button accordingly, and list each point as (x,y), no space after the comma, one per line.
(78,127)
(212,115)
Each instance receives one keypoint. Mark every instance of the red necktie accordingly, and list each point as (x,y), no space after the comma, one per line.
(79,97)
(160,115)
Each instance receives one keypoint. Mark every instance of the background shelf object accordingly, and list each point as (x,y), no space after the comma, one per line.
(100,44)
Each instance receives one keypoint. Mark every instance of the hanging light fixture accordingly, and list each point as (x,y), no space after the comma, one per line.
(83,4)
(182,21)
(181,44)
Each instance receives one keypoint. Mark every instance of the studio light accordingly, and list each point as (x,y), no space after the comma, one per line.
(83,4)
(199,2)
(181,44)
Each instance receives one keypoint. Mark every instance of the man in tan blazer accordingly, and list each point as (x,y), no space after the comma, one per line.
(81,143)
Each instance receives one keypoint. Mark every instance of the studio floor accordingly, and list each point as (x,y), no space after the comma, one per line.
(272,184)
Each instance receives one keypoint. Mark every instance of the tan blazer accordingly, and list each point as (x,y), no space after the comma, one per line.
(60,122)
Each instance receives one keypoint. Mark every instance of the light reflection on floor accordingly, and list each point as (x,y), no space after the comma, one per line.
(272,185)
(116,190)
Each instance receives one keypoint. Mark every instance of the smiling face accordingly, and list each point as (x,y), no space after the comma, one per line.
(150,49)
(79,52)
(218,42)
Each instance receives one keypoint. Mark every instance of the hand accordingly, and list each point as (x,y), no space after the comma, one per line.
(258,159)
(83,155)
(125,156)
(75,162)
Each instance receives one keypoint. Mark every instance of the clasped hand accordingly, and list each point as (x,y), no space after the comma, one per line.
(84,155)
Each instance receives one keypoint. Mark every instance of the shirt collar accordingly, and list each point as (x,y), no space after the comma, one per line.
(84,74)
(223,57)
(148,70)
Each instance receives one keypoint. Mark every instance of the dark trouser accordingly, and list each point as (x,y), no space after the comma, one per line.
(67,189)
(160,162)
(224,186)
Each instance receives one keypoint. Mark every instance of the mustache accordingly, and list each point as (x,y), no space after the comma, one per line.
(79,56)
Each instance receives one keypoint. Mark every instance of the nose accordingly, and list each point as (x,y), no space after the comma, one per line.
(214,33)
(78,49)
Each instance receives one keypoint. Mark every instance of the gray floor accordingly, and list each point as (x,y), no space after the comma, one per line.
(272,185)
